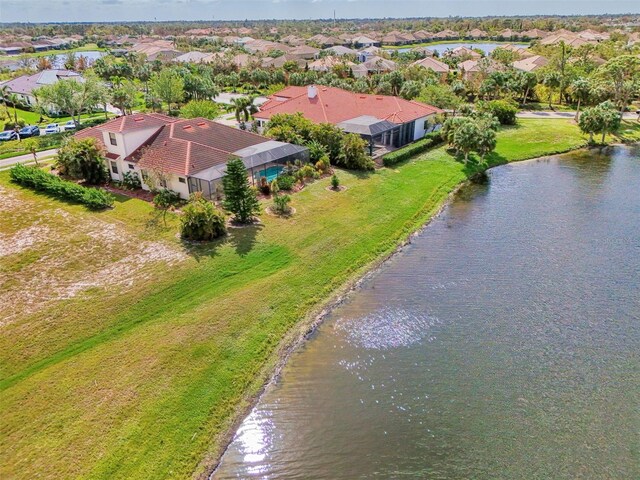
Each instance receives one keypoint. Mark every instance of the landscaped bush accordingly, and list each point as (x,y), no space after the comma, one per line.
(286,182)
(131,181)
(429,141)
(201,221)
(33,177)
(281,204)
(264,187)
(504,111)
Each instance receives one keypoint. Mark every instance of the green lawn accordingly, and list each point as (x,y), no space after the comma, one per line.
(126,354)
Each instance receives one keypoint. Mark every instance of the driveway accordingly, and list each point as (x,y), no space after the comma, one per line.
(27,158)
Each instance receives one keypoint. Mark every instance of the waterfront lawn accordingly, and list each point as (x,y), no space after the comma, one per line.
(142,378)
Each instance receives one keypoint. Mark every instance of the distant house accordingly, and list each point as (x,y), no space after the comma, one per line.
(340,50)
(191,155)
(380,65)
(326,64)
(464,52)
(423,35)
(366,53)
(24,85)
(279,62)
(424,51)
(435,65)
(364,42)
(446,35)
(325,41)
(305,52)
(472,69)
(530,64)
(380,119)
(193,57)
(476,34)
(534,33)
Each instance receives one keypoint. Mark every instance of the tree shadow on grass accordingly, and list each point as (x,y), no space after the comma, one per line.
(244,238)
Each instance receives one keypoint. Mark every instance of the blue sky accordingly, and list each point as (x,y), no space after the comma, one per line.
(128,10)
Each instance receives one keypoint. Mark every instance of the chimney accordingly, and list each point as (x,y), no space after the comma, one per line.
(312,91)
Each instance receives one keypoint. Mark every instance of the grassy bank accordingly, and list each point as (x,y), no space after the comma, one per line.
(126,354)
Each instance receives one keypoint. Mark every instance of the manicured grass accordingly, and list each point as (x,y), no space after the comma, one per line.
(143,379)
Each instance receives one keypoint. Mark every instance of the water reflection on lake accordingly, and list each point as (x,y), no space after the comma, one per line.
(503,343)
(486,47)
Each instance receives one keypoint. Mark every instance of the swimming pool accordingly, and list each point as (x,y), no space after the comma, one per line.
(269,173)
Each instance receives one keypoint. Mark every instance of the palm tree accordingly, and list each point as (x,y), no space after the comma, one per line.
(580,91)
(244,108)
(13,98)
(5,91)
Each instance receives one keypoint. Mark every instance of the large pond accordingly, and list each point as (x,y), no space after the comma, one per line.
(503,343)
(57,59)
(486,47)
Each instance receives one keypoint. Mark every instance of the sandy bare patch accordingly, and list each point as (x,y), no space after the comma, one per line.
(82,253)
(8,200)
(22,240)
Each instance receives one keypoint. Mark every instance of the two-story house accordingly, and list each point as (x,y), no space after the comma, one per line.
(186,156)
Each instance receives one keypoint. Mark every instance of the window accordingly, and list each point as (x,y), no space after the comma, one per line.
(112,138)
(131,167)
(114,167)
(163,183)
(182,180)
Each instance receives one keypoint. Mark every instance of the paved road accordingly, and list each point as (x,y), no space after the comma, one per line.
(551,114)
(27,158)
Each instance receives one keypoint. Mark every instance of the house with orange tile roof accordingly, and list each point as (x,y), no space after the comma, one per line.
(190,155)
(380,119)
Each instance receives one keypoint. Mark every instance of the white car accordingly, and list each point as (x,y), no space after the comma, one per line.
(52,128)
(70,125)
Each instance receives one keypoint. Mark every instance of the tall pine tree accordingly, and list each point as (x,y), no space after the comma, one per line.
(239,198)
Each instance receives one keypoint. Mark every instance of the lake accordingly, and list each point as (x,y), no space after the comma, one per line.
(58,59)
(486,47)
(503,343)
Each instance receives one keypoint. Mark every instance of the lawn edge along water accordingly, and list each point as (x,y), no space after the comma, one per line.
(301,331)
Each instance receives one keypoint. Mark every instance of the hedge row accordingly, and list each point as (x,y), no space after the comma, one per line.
(430,140)
(33,177)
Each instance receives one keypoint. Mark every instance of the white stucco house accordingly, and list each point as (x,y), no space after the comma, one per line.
(190,155)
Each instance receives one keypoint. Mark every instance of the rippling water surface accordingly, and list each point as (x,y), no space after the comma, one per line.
(503,343)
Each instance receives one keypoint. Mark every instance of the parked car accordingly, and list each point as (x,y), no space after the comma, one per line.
(52,128)
(29,131)
(8,135)
(70,125)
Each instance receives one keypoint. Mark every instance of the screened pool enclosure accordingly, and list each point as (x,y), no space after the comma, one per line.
(266,159)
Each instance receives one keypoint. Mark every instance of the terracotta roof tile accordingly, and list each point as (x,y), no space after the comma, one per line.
(334,105)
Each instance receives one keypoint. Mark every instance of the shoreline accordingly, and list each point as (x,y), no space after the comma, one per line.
(301,332)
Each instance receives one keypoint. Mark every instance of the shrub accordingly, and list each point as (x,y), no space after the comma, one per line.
(281,204)
(308,172)
(33,177)
(285,182)
(82,159)
(201,221)
(504,111)
(165,199)
(323,165)
(429,141)
(264,187)
(131,181)
(354,150)
(335,182)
